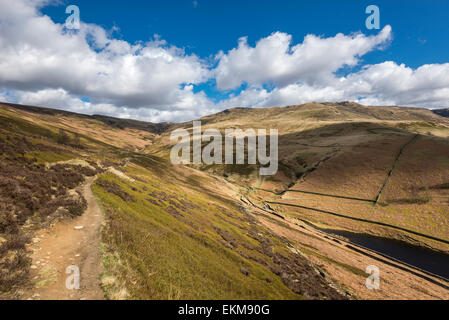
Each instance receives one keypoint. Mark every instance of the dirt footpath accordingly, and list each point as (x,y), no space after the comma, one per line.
(64,247)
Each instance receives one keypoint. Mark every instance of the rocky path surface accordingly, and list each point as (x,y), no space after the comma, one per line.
(58,252)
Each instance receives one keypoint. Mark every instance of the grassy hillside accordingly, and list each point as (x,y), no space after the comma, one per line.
(169,234)
(196,232)
(182,241)
(345,149)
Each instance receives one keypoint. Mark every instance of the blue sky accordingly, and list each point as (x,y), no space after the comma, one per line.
(189,61)
(420,27)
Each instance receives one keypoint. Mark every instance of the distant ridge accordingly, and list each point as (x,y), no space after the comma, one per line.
(315,111)
(325,111)
(156,128)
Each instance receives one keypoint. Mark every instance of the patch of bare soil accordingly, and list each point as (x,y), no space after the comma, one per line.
(68,243)
(31,195)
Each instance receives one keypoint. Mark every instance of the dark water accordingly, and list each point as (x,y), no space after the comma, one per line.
(425,259)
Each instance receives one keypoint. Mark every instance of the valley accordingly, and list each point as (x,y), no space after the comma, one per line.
(222,231)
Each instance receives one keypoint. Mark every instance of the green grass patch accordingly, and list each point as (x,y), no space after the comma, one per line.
(50,156)
(175,257)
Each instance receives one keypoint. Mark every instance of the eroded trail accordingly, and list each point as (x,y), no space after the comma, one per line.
(68,243)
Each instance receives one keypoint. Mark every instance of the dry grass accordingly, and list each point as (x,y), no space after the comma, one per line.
(194,245)
(177,233)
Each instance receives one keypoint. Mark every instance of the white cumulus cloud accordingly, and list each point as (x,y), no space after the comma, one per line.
(275,60)
(91,71)
(43,58)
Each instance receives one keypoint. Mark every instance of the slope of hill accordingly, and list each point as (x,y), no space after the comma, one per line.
(155,128)
(343,111)
(176,232)
(169,234)
(348,150)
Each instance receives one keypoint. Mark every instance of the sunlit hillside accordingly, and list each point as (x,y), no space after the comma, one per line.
(223,231)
